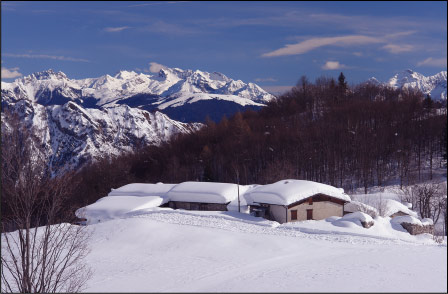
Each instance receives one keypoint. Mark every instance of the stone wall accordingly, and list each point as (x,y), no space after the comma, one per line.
(417,229)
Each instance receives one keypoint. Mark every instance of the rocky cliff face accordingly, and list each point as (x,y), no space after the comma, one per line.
(72,135)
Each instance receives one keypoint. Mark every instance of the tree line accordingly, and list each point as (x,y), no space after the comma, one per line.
(347,136)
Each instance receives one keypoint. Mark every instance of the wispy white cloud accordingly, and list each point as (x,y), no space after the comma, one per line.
(395,49)
(265,80)
(45,56)
(116,29)
(314,43)
(400,34)
(155,67)
(433,62)
(10,73)
(332,65)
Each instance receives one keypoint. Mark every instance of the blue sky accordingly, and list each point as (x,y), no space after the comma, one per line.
(270,43)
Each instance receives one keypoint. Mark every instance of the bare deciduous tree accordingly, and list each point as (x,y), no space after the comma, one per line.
(429,199)
(40,253)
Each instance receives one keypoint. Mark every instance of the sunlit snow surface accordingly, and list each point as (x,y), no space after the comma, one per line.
(139,247)
(186,251)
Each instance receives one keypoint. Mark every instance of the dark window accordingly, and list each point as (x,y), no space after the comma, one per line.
(293,214)
(309,214)
(310,201)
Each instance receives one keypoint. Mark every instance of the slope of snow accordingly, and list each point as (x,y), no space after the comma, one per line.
(171,251)
(285,192)
(187,97)
(143,248)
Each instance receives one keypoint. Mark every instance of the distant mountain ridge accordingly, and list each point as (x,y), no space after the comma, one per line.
(80,120)
(434,85)
(168,89)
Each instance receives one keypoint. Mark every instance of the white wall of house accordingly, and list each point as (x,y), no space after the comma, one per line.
(321,210)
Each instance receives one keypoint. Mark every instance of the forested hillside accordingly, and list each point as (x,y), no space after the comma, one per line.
(326,131)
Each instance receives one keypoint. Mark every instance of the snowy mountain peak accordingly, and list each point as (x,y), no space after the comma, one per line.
(434,85)
(45,75)
(124,74)
(373,81)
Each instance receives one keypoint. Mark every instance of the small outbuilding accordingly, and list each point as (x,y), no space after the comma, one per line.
(126,200)
(207,196)
(297,200)
(111,207)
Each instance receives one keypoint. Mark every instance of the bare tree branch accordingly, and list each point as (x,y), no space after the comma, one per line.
(39,253)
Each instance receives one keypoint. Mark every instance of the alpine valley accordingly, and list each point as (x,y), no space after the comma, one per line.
(80,120)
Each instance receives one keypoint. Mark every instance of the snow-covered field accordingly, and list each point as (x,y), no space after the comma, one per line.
(164,250)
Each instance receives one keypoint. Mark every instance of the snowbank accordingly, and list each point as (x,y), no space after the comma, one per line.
(363,217)
(139,189)
(286,192)
(204,192)
(107,208)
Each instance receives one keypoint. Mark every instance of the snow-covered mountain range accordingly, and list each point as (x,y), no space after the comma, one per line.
(434,85)
(79,120)
(172,91)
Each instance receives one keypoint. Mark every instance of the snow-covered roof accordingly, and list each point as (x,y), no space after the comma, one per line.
(406,219)
(286,192)
(208,192)
(138,189)
(114,207)
(393,206)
